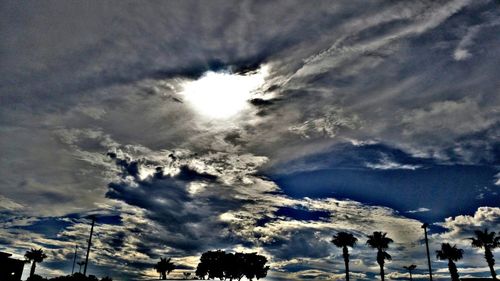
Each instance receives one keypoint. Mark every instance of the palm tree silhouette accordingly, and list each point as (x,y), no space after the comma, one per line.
(344,240)
(80,263)
(488,241)
(410,268)
(35,256)
(452,254)
(380,242)
(164,267)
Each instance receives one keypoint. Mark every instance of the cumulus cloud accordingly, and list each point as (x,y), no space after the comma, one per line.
(461,226)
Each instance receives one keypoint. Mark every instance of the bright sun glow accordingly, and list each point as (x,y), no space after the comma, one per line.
(222,95)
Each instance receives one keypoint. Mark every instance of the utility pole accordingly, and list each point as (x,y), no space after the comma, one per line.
(74,260)
(88,247)
(424,226)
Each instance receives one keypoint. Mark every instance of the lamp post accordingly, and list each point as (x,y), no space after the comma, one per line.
(424,226)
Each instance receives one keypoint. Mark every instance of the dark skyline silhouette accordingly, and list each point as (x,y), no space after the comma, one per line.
(224,265)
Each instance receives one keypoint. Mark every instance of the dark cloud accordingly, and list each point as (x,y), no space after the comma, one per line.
(261,102)
(190,222)
(187,174)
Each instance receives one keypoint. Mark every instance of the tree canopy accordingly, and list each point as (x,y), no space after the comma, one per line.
(232,266)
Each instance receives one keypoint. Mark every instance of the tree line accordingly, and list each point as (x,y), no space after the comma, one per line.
(380,242)
(234,266)
(221,265)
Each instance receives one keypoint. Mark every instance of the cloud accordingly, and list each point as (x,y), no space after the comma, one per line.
(460,226)
(157,216)
(382,76)
(327,126)
(419,210)
(7,204)
(387,164)
(467,41)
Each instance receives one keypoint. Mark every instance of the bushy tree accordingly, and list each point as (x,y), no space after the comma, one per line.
(232,266)
(211,264)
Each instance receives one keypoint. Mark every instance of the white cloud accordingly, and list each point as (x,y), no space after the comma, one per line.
(385,163)
(419,210)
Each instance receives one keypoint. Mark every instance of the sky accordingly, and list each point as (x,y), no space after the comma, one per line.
(253,126)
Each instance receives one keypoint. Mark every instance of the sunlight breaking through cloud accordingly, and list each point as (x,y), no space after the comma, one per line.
(223,94)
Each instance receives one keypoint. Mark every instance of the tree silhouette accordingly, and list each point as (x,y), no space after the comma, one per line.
(344,240)
(211,264)
(201,270)
(380,242)
(452,254)
(234,266)
(222,265)
(80,263)
(254,266)
(35,256)
(410,268)
(488,241)
(164,267)
(186,275)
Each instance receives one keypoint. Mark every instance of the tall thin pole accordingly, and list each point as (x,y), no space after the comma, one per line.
(88,247)
(424,226)
(74,260)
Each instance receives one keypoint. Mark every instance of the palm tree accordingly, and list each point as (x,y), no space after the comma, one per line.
(380,242)
(344,240)
(80,263)
(452,254)
(410,268)
(35,256)
(488,241)
(164,267)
